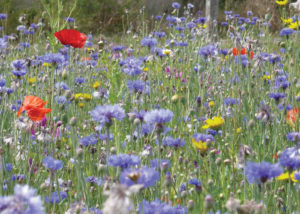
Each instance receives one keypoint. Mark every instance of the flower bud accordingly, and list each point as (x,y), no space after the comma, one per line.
(73,121)
(208,202)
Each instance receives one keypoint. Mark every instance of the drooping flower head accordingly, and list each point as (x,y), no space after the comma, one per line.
(71,37)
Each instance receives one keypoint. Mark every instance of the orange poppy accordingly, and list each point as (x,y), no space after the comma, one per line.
(243,51)
(235,51)
(293,114)
(34,107)
(251,54)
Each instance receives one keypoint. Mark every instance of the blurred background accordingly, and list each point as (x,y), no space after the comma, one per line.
(111,17)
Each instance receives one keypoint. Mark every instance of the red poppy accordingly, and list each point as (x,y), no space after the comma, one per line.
(293,114)
(243,51)
(251,54)
(235,51)
(71,37)
(34,107)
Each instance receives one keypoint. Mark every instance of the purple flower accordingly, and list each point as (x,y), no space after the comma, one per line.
(176,143)
(190,25)
(51,163)
(62,85)
(61,100)
(230,101)
(137,86)
(19,67)
(293,136)
(145,176)
(94,180)
(131,66)
(156,163)
(3,16)
(118,48)
(157,206)
(55,198)
(160,34)
(158,116)
(261,172)
(79,80)
(249,13)
(23,201)
(88,140)
(206,51)
(176,5)
(104,114)
(286,32)
(196,183)
(149,42)
(123,160)
(203,137)
(52,58)
(69,19)
(277,96)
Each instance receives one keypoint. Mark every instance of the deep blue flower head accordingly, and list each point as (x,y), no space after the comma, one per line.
(195,181)
(131,66)
(176,5)
(104,114)
(51,163)
(79,80)
(209,50)
(118,48)
(94,180)
(55,198)
(158,17)
(137,86)
(249,13)
(171,19)
(3,16)
(180,28)
(69,19)
(61,85)
(23,201)
(203,137)
(52,58)
(290,158)
(293,136)
(157,206)
(201,20)
(190,25)
(19,67)
(228,12)
(145,176)
(286,32)
(8,167)
(176,143)
(277,96)
(2,82)
(156,163)
(230,101)
(123,160)
(88,140)
(261,172)
(160,34)
(158,116)
(149,42)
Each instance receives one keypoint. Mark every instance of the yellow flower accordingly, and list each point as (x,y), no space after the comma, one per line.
(96,84)
(267,77)
(286,176)
(145,69)
(287,21)
(83,96)
(31,80)
(211,103)
(167,52)
(213,123)
(239,130)
(200,145)
(202,26)
(295,25)
(81,105)
(46,64)
(298,94)
(282,3)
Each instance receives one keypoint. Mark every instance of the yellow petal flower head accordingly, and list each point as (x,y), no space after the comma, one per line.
(282,3)
(200,141)
(200,145)
(31,80)
(214,123)
(295,25)
(287,21)
(286,176)
(83,96)
(96,84)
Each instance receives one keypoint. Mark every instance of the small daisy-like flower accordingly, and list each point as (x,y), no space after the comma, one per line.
(214,123)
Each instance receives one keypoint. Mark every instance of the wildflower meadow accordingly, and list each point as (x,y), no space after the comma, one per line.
(170,119)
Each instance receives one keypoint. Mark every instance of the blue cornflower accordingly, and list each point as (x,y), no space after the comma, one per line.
(261,172)
(156,163)
(104,114)
(196,183)
(158,116)
(88,140)
(94,180)
(52,58)
(158,17)
(277,96)
(145,176)
(61,100)
(137,86)
(169,141)
(61,85)
(23,201)
(79,80)
(180,28)
(123,160)
(149,42)
(55,198)
(249,13)
(224,24)
(176,5)
(160,34)
(3,43)
(8,167)
(286,32)
(230,101)
(157,206)
(69,19)
(190,6)
(3,16)
(203,137)
(171,19)
(228,12)
(2,82)
(206,51)
(19,67)
(131,66)
(201,20)
(53,164)
(293,136)
(190,25)
(118,48)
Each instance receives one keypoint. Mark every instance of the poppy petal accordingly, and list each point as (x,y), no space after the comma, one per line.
(37,114)
(71,37)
